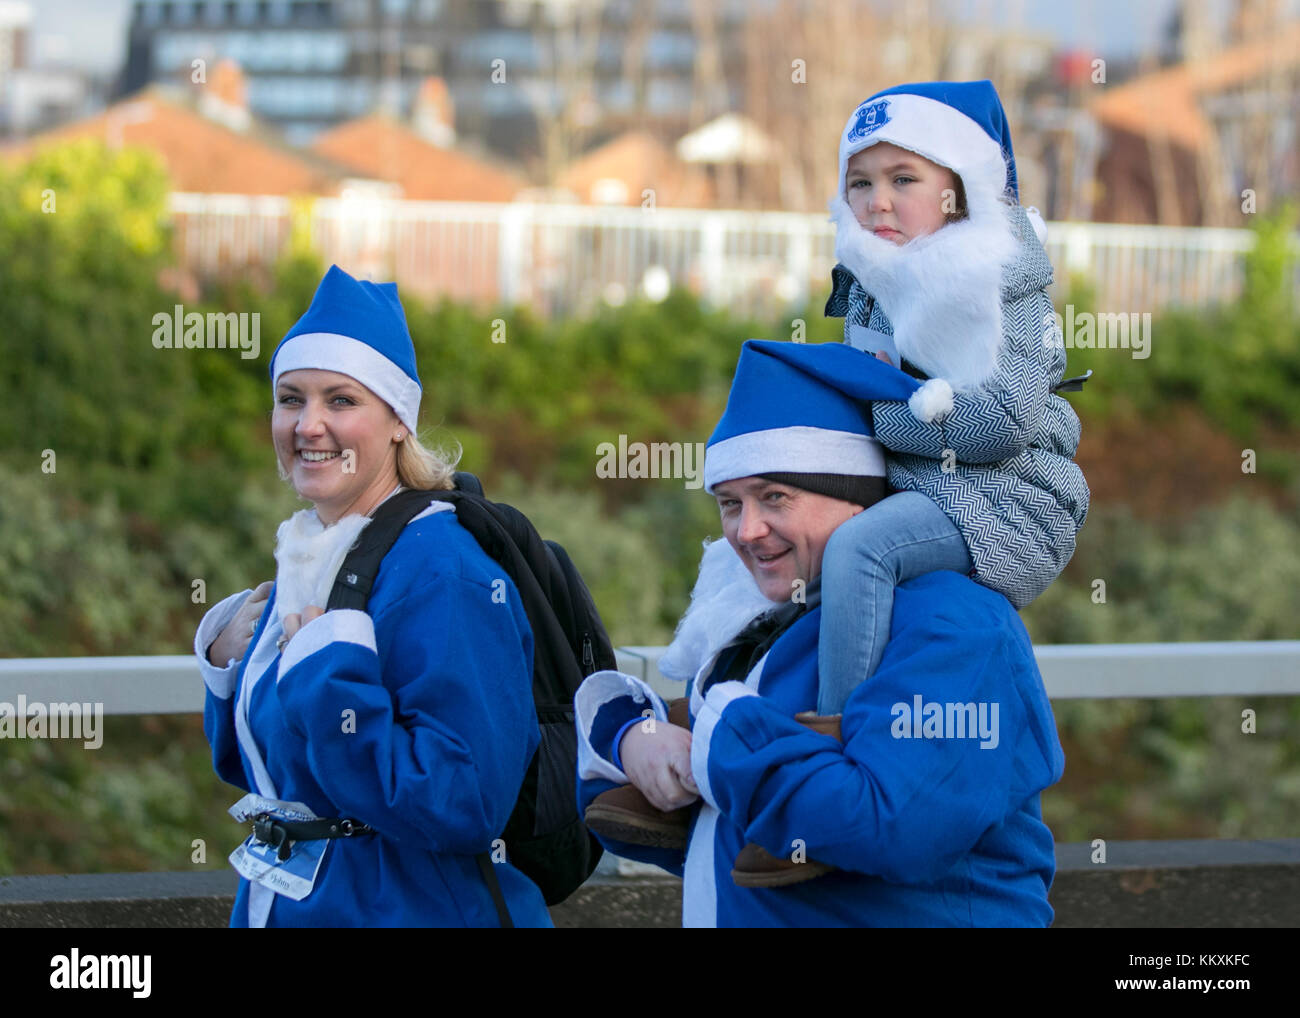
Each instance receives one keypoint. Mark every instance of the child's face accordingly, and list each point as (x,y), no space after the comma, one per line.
(897,194)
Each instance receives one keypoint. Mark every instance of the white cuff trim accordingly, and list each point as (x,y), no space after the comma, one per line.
(702,734)
(598,689)
(931,402)
(343,625)
(220,681)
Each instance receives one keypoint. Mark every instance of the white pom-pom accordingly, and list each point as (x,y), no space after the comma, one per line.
(932,401)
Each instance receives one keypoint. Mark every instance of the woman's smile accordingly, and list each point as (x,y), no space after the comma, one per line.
(360,467)
(318,455)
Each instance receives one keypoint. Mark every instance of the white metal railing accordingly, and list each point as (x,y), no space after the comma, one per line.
(170,684)
(562,258)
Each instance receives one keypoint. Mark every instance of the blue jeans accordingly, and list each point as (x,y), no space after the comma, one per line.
(899,538)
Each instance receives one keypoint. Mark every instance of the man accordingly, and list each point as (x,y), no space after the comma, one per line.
(927,812)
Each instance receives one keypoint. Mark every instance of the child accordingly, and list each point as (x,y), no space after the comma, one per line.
(943,272)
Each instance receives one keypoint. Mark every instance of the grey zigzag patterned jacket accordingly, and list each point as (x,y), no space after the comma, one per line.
(1015,493)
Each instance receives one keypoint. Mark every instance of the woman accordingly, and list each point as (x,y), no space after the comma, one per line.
(382,750)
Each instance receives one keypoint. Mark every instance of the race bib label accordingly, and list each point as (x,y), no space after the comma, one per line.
(260,863)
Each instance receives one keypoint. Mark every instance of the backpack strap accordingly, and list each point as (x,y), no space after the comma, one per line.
(466,481)
(494,888)
(357,574)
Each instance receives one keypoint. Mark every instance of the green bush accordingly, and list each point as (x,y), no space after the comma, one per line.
(1239,363)
(1229,573)
(164,474)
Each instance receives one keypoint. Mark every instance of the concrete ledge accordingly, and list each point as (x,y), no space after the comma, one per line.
(119,900)
(1161,884)
(622,903)
(1220,884)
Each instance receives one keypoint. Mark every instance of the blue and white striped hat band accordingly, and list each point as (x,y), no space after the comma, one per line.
(957,124)
(358,329)
(799,408)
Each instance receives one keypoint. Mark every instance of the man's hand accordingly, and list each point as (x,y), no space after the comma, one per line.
(657,758)
(233,641)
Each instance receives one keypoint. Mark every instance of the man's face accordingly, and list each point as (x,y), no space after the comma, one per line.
(779,531)
(898,195)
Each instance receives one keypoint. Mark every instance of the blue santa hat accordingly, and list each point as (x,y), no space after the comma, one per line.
(796,408)
(957,124)
(358,329)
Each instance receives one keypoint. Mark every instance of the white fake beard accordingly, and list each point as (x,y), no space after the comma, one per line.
(724,601)
(308,556)
(942,292)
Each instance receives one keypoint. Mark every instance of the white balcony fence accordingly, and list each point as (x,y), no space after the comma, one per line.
(562,259)
(171,684)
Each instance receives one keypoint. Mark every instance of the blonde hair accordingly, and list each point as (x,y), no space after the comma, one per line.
(426,469)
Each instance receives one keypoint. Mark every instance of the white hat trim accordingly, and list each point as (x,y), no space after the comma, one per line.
(794,450)
(932,129)
(329,351)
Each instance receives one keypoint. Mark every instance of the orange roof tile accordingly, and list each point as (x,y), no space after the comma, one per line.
(619,171)
(381,147)
(200,154)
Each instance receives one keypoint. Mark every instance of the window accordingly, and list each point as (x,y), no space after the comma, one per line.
(670,49)
(515,48)
(668,96)
(297,50)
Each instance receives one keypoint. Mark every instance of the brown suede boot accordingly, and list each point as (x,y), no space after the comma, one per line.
(757,867)
(625,814)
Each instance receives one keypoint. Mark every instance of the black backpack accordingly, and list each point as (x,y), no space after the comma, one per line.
(545,837)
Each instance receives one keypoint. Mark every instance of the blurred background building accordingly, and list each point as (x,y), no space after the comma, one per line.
(736,105)
(526,78)
(35,92)
(558,123)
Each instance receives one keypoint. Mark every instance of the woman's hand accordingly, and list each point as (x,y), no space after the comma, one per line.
(657,758)
(233,641)
(294,622)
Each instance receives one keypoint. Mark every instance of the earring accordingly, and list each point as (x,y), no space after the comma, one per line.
(400,436)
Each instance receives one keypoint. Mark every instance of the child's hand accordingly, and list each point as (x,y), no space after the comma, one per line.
(882,356)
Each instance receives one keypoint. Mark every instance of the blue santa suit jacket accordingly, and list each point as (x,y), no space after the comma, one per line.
(926,831)
(438,673)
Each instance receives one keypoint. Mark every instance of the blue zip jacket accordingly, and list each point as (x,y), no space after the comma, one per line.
(929,826)
(415,717)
